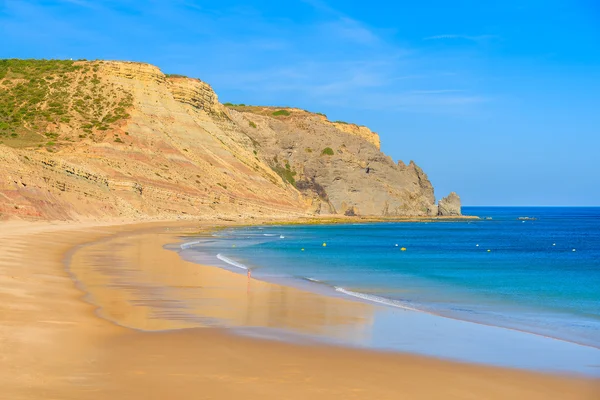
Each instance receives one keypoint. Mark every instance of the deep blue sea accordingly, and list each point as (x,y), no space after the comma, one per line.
(540,275)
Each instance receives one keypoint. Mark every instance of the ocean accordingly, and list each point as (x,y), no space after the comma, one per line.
(529,269)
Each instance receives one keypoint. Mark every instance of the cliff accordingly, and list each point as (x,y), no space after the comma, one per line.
(120,139)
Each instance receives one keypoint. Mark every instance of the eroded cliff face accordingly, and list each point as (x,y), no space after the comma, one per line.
(340,171)
(131,142)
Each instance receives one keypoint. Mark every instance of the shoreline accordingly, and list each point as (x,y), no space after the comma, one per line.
(338,220)
(247,313)
(332,289)
(57,347)
(387,302)
(328,290)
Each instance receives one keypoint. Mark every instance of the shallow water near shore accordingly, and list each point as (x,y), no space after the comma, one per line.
(541,275)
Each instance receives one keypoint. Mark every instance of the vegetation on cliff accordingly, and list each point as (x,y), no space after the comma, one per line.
(283,113)
(42,99)
(327,151)
(286,173)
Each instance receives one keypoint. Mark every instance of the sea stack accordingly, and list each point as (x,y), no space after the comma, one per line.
(449,205)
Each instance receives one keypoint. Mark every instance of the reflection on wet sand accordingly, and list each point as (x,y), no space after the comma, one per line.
(54,348)
(137,283)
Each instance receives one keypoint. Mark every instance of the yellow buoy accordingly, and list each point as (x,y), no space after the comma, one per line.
(403,249)
(324,244)
(489,250)
(302,249)
(233,245)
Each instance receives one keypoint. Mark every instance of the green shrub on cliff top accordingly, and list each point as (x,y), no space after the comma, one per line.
(282,112)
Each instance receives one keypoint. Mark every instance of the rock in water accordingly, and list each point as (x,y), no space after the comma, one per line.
(449,205)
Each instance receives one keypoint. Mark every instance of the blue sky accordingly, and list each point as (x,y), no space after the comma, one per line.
(500,103)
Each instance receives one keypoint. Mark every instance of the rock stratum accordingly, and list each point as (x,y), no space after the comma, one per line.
(103,139)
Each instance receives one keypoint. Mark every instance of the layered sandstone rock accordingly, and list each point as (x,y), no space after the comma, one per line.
(195,93)
(140,72)
(449,205)
(360,131)
(177,151)
(339,173)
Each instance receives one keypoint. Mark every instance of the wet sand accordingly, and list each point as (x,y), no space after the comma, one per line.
(59,342)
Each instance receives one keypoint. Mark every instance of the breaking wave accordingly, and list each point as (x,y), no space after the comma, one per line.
(375,299)
(231,262)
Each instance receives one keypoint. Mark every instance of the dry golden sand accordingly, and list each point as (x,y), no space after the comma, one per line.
(54,345)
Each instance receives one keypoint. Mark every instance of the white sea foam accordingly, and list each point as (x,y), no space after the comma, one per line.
(269,234)
(375,299)
(230,261)
(189,244)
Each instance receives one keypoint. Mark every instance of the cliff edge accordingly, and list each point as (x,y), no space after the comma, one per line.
(103,139)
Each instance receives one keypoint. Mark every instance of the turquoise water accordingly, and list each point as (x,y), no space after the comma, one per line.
(540,275)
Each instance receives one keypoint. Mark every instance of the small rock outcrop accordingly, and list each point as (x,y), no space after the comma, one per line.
(194,92)
(449,205)
(360,131)
(137,71)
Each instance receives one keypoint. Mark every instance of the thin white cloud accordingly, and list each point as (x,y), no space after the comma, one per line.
(344,26)
(439,91)
(312,78)
(18,17)
(428,103)
(81,3)
(323,7)
(351,30)
(474,38)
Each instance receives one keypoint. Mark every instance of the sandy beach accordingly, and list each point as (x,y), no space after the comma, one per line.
(87,332)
